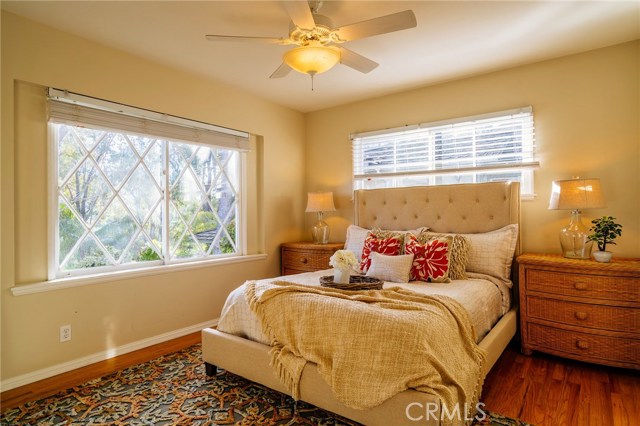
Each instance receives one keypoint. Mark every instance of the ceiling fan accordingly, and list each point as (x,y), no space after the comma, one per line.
(318,41)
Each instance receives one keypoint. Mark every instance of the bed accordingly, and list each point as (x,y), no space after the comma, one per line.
(475,209)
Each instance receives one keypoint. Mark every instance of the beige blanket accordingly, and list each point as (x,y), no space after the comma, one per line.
(371,345)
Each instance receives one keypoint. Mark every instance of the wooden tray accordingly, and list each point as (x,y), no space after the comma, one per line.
(356,282)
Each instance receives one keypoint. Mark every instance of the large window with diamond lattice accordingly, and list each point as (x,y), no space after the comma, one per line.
(128,200)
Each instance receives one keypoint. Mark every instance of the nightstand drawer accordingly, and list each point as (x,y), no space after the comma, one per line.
(584,285)
(305,260)
(307,257)
(586,346)
(585,315)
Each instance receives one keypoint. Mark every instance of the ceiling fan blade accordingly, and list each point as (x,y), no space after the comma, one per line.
(282,71)
(381,25)
(272,40)
(300,14)
(356,61)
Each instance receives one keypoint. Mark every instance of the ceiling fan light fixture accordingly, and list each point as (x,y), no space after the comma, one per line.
(312,59)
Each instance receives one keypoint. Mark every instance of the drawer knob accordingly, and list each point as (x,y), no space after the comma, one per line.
(303,260)
(580,286)
(581,315)
(581,344)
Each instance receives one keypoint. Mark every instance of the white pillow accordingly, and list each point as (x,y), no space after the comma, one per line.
(390,268)
(492,252)
(355,240)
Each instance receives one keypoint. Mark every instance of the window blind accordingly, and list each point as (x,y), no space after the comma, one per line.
(78,110)
(501,141)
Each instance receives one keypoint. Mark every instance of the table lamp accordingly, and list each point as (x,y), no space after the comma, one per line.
(320,202)
(574,195)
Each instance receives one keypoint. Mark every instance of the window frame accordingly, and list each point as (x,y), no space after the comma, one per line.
(55,274)
(429,175)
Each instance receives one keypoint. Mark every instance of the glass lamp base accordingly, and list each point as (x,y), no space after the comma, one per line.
(320,232)
(573,239)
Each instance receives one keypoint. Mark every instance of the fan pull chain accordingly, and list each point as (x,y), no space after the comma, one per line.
(312,82)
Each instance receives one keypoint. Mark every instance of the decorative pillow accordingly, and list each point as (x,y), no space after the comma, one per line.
(384,242)
(430,259)
(492,252)
(355,240)
(458,253)
(390,268)
(356,236)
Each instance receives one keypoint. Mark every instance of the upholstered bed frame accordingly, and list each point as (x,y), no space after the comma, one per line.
(465,208)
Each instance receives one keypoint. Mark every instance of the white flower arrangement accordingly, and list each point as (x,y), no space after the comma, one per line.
(343,259)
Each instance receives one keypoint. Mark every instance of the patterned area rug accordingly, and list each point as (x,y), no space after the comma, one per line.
(174,390)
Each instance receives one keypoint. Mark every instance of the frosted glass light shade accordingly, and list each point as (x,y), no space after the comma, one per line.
(312,59)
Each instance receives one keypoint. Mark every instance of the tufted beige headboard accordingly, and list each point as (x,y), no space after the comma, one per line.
(464,208)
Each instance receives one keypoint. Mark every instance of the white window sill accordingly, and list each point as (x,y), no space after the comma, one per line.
(528,197)
(62,283)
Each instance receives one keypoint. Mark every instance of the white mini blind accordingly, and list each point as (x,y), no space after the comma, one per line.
(78,110)
(490,143)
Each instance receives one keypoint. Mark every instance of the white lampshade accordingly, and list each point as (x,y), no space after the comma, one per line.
(576,194)
(320,202)
(312,59)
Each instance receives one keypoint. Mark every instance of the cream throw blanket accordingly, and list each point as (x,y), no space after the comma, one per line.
(371,345)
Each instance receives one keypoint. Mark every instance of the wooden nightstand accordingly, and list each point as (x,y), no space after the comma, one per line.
(307,257)
(581,309)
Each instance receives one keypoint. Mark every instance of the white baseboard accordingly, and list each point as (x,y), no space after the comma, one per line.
(45,373)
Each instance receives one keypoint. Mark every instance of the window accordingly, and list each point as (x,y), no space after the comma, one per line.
(491,147)
(129,198)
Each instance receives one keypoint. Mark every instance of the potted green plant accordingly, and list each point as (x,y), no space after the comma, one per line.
(605,231)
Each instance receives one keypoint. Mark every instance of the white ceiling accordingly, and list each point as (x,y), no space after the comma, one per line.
(453,39)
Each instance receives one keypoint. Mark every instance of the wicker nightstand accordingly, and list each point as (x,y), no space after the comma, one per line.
(581,309)
(307,257)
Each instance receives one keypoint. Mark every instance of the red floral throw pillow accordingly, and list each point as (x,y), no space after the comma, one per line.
(430,259)
(391,245)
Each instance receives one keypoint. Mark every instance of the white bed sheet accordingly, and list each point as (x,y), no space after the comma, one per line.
(485,298)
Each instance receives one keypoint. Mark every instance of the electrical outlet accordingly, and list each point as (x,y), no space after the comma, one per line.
(65,333)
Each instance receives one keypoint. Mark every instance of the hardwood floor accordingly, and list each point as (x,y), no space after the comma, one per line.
(540,389)
(549,391)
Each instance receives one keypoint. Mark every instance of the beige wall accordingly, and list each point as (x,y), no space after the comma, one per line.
(587,122)
(107,315)
(586,111)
